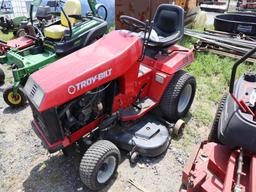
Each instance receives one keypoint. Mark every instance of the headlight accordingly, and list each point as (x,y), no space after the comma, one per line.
(34,92)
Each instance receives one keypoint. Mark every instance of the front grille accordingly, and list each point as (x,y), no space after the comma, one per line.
(49,124)
(33,91)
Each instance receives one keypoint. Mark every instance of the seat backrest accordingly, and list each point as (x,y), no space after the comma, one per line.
(168,20)
(71,7)
(43,12)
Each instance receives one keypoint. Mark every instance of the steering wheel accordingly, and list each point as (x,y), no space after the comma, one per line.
(98,8)
(133,22)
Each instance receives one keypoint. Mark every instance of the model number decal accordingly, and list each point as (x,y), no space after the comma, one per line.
(72,89)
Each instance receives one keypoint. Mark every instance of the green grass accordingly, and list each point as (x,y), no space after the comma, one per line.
(212,73)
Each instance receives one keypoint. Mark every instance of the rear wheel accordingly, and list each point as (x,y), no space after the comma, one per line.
(213,135)
(178,96)
(2,77)
(14,100)
(99,164)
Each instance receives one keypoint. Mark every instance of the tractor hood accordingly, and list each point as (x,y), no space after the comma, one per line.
(83,70)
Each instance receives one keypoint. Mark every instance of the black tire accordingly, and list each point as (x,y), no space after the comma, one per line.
(2,77)
(213,135)
(14,101)
(169,104)
(94,160)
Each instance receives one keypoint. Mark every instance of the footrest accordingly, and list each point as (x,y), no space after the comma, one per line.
(133,112)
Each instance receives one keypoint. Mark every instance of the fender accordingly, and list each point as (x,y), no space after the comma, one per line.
(178,57)
(165,66)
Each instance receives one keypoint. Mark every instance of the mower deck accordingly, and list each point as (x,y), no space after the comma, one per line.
(26,62)
(148,137)
(27,58)
(19,43)
(213,167)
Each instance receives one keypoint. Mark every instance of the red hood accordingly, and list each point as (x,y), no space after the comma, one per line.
(106,59)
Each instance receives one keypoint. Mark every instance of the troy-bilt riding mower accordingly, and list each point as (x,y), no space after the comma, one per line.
(104,92)
(71,33)
(227,161)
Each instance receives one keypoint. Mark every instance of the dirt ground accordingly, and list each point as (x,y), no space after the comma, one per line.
(26,166)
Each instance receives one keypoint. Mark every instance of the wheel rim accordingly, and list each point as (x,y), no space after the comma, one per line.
(106,169)
(14,99)
(185,98)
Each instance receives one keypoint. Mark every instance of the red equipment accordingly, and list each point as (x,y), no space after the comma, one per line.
(232,165)
(19,43)
(212,168)
(120,60)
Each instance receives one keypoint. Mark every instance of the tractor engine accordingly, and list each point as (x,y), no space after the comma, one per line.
(81,111)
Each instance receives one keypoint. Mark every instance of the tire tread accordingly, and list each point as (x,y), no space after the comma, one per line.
(170,97)
(213,135)
(91,158)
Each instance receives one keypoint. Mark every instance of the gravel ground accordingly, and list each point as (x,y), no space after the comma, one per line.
(26,166)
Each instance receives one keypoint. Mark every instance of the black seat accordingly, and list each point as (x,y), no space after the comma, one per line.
(43,13)
(168,25)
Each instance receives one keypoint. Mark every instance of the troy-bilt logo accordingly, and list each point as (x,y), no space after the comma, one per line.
(72,89)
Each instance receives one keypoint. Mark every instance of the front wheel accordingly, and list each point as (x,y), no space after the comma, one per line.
(14,100)
(99,164)
(2,77)
(178,96)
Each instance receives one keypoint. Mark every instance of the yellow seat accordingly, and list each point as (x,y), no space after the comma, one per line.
(55,31)
(71,7)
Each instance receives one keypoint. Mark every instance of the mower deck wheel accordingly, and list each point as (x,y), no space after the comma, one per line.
(2,77)
(178,127)
(213,135)
(14,100)
(134,157)
(178,96)
(99,164)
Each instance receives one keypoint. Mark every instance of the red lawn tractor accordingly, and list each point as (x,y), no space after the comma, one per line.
(101,95)
(227,161)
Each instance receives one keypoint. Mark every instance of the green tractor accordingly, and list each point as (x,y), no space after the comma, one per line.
(17,25)
(7,24)
(72,32)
